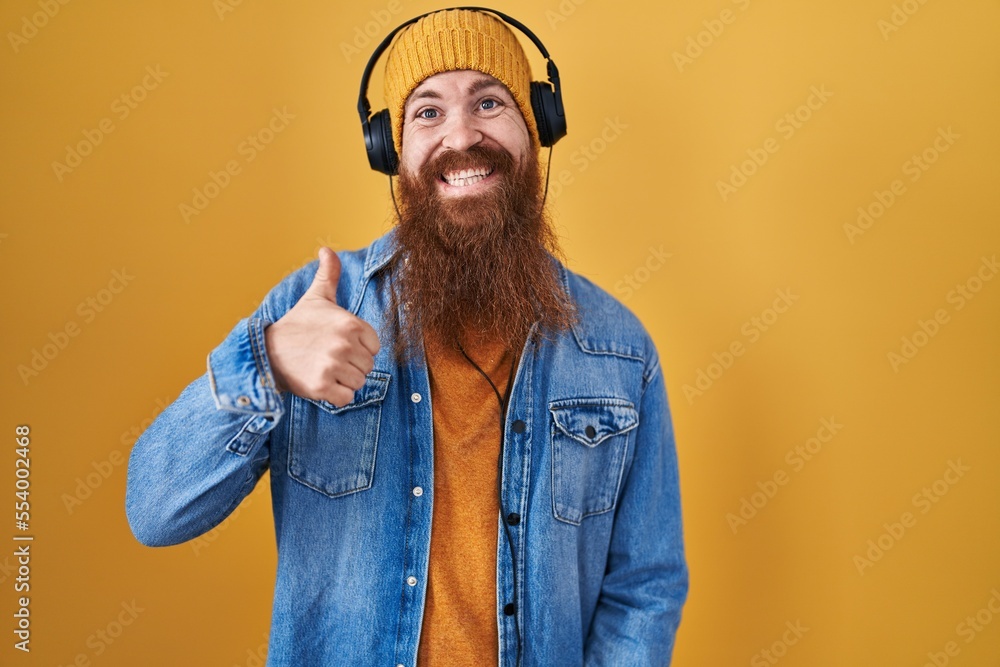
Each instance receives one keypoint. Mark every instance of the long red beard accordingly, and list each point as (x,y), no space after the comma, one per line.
(477,266)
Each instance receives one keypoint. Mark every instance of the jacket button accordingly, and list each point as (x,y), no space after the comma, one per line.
(508,609)
(415,397)
(513,518)
(518,426)
(591,431)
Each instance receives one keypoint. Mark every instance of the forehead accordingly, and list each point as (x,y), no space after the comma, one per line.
(465,82)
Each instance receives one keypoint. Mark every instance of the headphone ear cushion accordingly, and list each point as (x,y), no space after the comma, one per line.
(551,125)
(538,90)
(391,159)
(382,154)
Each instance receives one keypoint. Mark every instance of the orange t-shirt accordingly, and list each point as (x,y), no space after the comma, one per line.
(460,617)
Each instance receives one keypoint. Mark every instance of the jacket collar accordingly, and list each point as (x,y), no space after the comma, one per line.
(380,252)
(589,334)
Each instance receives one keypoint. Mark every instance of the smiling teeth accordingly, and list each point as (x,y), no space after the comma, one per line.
(465,177)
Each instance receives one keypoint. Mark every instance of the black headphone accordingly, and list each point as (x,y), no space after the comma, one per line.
(546,102)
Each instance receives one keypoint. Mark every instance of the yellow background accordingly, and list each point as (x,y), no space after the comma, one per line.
(651,183)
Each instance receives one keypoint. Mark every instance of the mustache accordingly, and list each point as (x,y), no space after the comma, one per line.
(475,157)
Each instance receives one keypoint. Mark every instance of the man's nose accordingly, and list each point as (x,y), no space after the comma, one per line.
(461,132)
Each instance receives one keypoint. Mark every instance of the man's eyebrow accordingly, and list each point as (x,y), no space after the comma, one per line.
(484,82)
(426,93)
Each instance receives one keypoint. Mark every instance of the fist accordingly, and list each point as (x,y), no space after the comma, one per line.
(319,350)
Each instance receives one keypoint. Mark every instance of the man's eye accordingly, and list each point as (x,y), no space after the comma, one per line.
(427,114)
(487,105)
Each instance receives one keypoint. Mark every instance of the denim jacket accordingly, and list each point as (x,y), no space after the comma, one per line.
(589,468)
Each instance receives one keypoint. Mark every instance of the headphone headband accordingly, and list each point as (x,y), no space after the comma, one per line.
(546,101)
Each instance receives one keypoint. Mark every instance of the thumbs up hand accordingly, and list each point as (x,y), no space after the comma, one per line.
(319,350)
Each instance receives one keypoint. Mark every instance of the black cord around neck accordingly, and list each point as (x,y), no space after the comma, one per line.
(503,514)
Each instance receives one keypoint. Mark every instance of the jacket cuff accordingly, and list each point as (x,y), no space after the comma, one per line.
(240,374)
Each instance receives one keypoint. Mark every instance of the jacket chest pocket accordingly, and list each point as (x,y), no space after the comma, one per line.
(331,449)
(589,439)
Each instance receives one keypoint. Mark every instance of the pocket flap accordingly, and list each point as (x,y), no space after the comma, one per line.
(592,420)
(374,390)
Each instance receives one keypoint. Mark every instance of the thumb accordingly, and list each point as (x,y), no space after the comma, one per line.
(324,283)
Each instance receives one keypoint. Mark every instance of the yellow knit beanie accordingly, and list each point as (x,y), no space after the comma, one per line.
(453,39)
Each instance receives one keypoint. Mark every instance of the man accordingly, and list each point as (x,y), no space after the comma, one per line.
(471,453)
